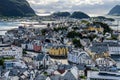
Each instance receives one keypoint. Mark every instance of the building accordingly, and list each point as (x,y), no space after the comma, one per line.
(32,46)
(103,75)
(85,42)
(58,51)
(11,64)
(79,57)
(113,47)
(55,50)
(37,47)
(104,62)
(42,61)
(106,48)
(12,51)
(96,28)
(98,50)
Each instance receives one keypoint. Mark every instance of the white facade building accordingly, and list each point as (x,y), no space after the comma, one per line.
(103,75)
(104,62)
(113,46)
(114,50)
(23,46)
(79,57)
(11,51)
(30,46)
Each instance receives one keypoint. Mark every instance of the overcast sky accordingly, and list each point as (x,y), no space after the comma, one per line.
(91,7)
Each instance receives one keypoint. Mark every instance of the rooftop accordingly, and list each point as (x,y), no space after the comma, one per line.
(104,75)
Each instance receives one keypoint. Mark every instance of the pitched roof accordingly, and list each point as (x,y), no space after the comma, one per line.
(68,76)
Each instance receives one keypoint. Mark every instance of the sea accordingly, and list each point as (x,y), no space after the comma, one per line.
(7,25)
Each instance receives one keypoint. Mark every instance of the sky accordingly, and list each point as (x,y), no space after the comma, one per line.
(91,7)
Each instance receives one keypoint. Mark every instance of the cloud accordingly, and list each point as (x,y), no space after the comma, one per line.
(88,6)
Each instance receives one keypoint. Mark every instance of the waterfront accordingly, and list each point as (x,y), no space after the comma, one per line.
(7,25)
(4,26)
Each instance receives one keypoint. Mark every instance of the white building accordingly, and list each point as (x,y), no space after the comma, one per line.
(10,64)
(42,60)
(103,75)
(104,62)
(79,57)
(30,46)
(11,51)
(23,46)
(113,46)
(114,50)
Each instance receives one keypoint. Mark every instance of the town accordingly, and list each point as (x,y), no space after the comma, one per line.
(63,49)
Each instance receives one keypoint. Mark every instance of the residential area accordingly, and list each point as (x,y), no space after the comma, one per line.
(65,49)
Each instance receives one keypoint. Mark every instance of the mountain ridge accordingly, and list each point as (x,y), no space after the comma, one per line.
(115,10)
(75,14)
(15,8)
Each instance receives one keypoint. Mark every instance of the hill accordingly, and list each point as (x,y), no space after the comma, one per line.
(115,10)
(61,14)
(76,14)
(79,15)
(15,8)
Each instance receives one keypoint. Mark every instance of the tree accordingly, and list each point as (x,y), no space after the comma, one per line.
(114,37)
(77,43)
(92,37)
(1,62)
(74,34)
(24,52)
(104,26)
(79,15)
(43,31)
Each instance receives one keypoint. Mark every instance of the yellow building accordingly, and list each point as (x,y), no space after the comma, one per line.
(58,51)
(91,28)
(98,55)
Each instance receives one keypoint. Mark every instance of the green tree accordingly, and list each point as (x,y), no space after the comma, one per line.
(74,34)
(114,37)
(43,31)
(104,26)
(77,43)
(24,52)
(1,62)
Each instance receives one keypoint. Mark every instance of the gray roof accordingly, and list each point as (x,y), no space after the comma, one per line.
(81,67)
(39,57)
(104,75)
(17,72)
(40,77)
(68,76)
(55,77)
(64,67)
(99,48)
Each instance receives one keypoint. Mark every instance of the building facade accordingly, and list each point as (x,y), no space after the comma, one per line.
(13,51)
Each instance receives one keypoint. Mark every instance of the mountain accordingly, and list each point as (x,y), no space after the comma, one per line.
(61,14)
(76,14)
(15,8)
(115,10)
(79,15)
